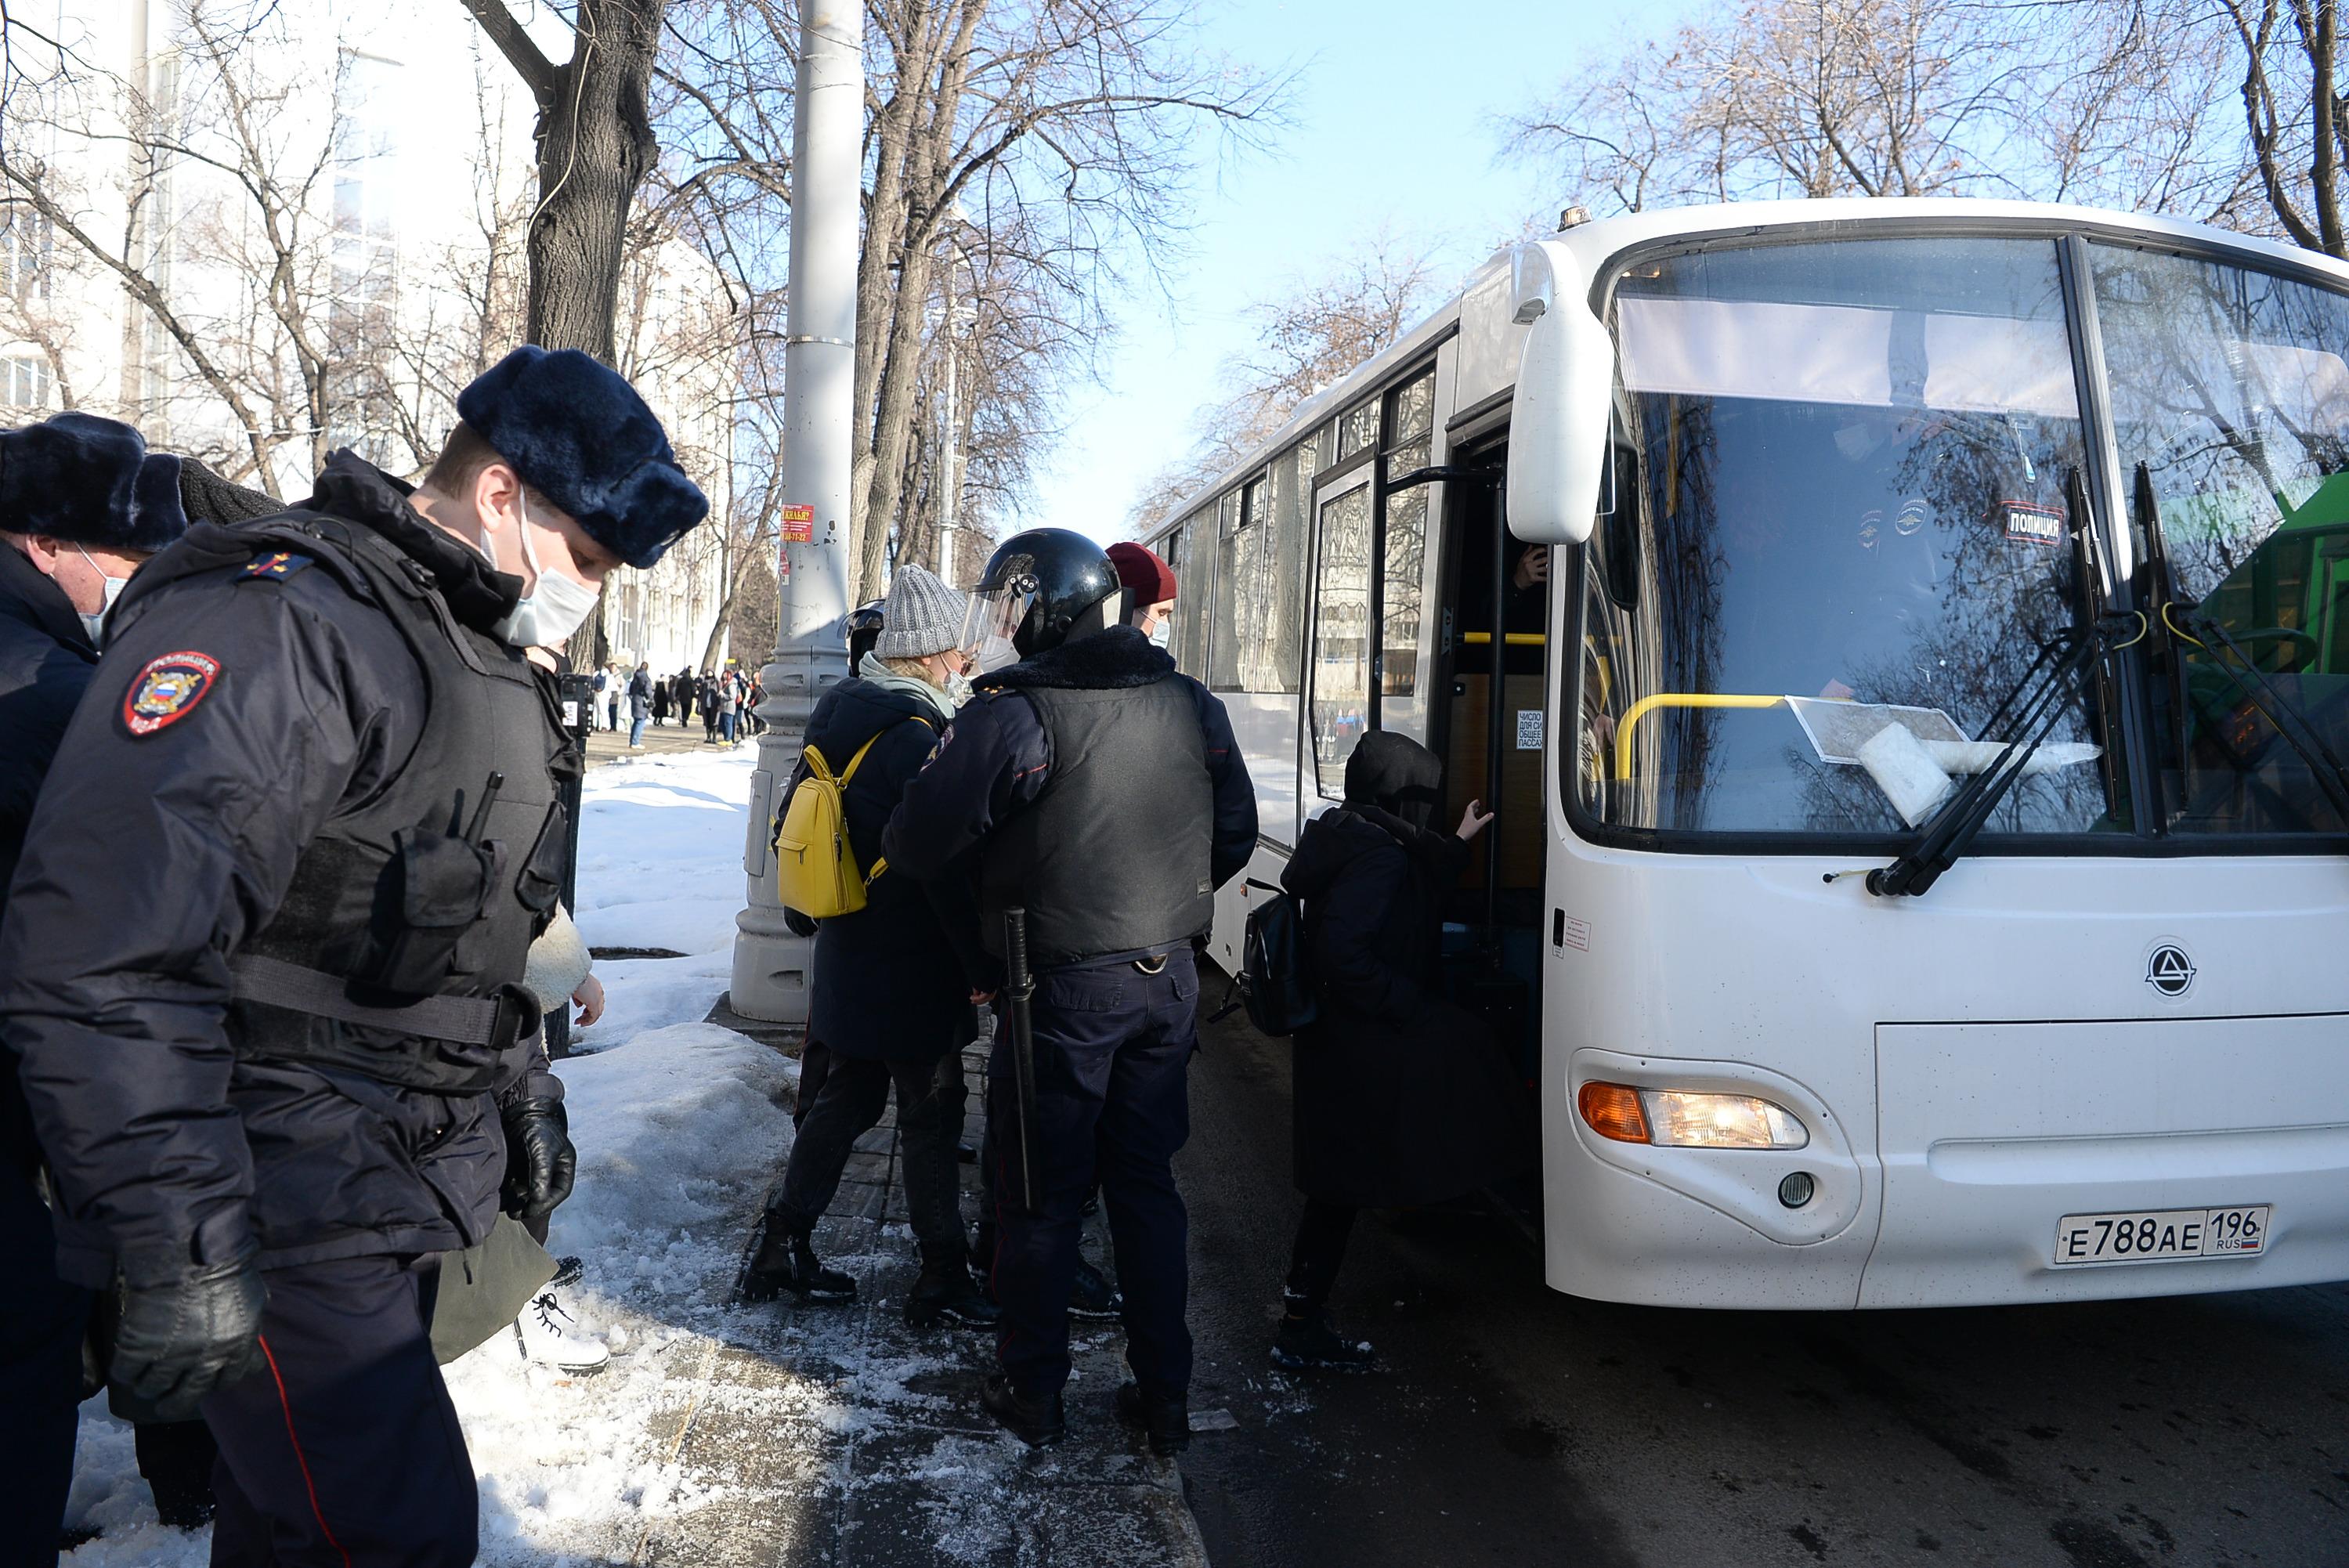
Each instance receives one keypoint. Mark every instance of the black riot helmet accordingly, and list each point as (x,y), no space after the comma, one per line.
(862,625)
(1042,587)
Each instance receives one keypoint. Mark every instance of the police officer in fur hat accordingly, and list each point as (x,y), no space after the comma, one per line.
(263,964)
(1101,790)
(82,505)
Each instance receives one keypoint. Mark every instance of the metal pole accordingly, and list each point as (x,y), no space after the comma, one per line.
(954,490)
(770,964)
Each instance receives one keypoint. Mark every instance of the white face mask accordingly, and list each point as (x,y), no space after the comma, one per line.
(1162,633)
(94,622)
(553,608)
(958,690)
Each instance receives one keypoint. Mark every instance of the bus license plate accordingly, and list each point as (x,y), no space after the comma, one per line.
(2161,1235)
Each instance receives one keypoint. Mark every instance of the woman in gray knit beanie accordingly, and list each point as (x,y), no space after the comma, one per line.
(918,651)
(892,983)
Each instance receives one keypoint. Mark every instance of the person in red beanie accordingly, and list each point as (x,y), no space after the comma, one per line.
(1152,582)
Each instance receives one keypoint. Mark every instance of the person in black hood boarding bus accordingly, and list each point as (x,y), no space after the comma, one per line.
(1402,1098)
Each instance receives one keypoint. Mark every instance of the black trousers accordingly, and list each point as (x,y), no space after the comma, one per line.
(855,1089)
(343,1449)
(1320,1248)
(1113,1049)
(41,1323)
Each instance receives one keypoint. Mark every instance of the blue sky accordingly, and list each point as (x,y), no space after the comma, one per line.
(1391,130)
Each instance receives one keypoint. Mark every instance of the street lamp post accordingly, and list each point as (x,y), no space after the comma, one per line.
(771,965)
(951,505)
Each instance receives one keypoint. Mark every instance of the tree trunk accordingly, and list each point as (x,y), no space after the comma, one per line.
(596,143)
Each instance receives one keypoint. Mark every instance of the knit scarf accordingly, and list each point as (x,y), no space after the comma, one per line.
(887,679)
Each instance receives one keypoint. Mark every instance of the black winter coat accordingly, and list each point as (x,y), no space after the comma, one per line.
(1402,1096)
(45,660)
(895,978)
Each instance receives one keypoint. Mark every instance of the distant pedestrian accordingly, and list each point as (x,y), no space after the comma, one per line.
(893,983)
(661,697)
(754,694)
(730,705)
(1403,1098)
(1101,790)
(706,694)
(683,682)
(599,704)
(640,706)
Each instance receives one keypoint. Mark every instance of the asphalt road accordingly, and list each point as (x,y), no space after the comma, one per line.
(1519,1425)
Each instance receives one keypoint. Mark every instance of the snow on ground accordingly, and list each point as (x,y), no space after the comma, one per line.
(680,1125)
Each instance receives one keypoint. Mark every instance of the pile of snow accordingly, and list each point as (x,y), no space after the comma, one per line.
(680,1125)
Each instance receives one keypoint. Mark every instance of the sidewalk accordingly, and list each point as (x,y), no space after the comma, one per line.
(838,1436)
(666,740)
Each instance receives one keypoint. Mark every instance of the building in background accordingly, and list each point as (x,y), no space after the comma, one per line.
(260,232)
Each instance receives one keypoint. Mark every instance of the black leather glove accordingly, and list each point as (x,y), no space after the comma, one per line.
(540,1161)
(177,1342)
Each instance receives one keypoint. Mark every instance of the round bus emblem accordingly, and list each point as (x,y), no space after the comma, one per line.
(2169,970)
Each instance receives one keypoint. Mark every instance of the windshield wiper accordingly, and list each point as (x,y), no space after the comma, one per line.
(2036,704)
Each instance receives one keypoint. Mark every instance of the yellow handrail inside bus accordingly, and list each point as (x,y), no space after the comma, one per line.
(1639,709)
(1512,639)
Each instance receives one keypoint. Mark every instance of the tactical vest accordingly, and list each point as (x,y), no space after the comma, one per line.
(1115,855)
(398,951)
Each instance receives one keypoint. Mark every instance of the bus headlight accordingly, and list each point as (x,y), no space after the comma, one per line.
(1683,1120)
(1680,1119)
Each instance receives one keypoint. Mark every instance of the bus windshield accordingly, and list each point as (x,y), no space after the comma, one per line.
(2230,413)
(1844,505)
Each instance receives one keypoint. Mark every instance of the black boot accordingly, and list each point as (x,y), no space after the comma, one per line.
(1306,1342)
(176,1458)
(1093,1297)
(1038,1422)
(1166,1418)
(947,1291)
(786,1261)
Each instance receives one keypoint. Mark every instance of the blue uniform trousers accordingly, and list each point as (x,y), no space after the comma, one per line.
(42,1320)
(343,1451)
(1113,1046)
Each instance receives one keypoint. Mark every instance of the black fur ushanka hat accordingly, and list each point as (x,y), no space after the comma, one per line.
(82,479)
(578,434)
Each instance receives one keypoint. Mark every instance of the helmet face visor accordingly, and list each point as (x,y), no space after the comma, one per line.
(992,619)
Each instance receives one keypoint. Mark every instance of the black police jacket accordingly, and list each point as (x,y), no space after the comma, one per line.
(45,660)
(240,715)
(1103,791)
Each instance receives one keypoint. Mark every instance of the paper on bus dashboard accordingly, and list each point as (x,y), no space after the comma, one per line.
(1837,729)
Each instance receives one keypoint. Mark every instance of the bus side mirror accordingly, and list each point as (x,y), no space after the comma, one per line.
(1557,424)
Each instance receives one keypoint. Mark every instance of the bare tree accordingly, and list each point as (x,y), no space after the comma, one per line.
(1307,338)
(1036,145)
(2286,59)
(2056,99)
(121,228)
(595,144)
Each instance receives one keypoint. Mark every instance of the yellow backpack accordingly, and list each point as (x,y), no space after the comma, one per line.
(815,866)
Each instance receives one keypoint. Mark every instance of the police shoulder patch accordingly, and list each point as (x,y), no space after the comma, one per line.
(167,689)
(276,565)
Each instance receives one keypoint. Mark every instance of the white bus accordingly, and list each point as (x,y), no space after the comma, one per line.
(1840,498)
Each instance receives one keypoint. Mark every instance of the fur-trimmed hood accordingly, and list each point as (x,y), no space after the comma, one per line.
(1116,659)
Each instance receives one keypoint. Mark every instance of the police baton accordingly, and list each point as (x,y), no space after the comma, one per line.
(578,692)
(1019,985)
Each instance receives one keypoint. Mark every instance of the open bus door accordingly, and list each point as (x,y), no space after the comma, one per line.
(1490,729)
